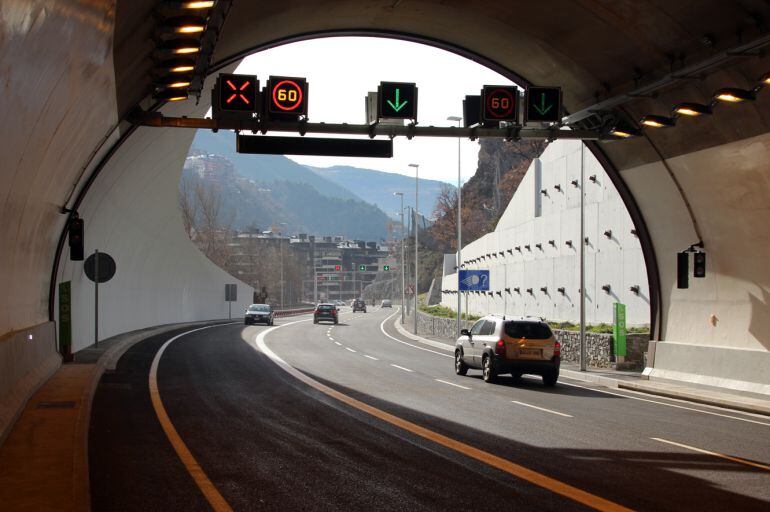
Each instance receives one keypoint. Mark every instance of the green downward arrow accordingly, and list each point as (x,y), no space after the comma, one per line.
(397,105)
(542,109)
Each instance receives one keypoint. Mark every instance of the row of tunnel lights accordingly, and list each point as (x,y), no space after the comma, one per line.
(552,243)
(725,95)
(635,289)
(180,46)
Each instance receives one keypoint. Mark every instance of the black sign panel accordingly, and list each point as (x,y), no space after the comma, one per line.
(286,97)
(267,145)
(471,111)
(106,267)
(699,264)
(238,93)
(499,103)
(397,100)
(543,104)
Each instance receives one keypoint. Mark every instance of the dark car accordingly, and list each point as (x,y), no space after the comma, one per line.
(259,313)
(359,305)
(325,312)
(517,346)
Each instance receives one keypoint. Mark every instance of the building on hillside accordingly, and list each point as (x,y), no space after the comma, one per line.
(533,254)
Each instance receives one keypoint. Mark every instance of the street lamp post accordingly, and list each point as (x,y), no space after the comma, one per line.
(459,223)
(416,231)
(403,278)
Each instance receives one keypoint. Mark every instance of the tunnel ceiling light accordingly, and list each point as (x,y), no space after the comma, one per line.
(624,132)
(657,121)
(170,95)
(182,46)
(179,65)
(765,79)
(203,4)
(185,25)
(733,95)
(692,109)
(175,82)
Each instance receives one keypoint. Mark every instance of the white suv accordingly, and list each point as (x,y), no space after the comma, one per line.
(503,344)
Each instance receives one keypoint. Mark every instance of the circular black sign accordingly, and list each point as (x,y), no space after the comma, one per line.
(106,267)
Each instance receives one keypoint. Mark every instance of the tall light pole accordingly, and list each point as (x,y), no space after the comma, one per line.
(403,278)
(416,231)
(582,262)
(459,222)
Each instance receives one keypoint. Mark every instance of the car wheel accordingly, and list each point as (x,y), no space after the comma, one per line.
(336,322)
(315,321)
(550,378)
(489,372)
(460,367)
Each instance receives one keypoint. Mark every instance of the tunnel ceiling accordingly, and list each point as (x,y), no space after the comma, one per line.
(594,49)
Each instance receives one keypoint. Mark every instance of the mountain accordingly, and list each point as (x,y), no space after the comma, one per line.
(377,187)
(266,168)
(246,204)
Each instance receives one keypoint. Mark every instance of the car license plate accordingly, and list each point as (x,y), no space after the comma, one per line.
(530,352)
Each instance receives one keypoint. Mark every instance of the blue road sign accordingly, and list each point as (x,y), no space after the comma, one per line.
(472,280)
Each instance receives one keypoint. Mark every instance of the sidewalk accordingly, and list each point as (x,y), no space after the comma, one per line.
(632,381)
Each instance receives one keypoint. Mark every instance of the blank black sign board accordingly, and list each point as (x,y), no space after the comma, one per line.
(267,145)
(106,267)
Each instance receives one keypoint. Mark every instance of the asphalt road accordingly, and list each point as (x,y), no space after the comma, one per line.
(358,418)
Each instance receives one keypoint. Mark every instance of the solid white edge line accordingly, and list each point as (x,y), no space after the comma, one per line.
(542,409)
(451,384)
(401,368)
(715,454)
(666,404)
(382,328)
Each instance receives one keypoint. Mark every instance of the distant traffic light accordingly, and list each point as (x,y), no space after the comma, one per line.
(337,267)
(75,231)
(386,267)
(362,268)
(682,270)
(699,264)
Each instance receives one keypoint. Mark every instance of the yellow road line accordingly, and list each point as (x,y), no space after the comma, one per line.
(517,470)
(715,454)
(208,489)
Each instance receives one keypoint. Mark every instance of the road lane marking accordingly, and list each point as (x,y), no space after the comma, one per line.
(338,343)
(382,328)
(665,403)
(210,492)
(350,349)
(516,470)
(372,358)
(451,384)
(715,454)
(541,409)
(401,368)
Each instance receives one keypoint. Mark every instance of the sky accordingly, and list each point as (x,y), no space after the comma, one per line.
(341,70)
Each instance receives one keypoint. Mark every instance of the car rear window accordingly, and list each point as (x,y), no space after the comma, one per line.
(529,330)
(325,307)
(262,308)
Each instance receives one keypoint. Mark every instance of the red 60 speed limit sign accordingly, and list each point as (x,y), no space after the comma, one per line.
(287,97)
(499,103)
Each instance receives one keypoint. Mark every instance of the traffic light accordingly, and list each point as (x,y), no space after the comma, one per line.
(337,267)
(75,231)
(682,270)
(362,268)
(386,267)
(699,264)
(235,96)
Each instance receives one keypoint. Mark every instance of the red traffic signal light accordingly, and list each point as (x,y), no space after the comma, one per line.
(238,92)
(337,267)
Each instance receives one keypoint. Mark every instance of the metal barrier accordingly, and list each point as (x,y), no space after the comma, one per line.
(293,312)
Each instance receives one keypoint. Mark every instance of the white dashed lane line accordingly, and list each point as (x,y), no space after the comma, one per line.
(451,384)
(401,368)
(541,409)
(338,343)
(371,357)
(715,454)
(350,349)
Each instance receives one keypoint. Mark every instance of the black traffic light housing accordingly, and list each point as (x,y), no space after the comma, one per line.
(75,232)
(699,264)
(683,270)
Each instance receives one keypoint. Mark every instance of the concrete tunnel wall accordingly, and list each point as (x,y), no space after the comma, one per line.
(59,116)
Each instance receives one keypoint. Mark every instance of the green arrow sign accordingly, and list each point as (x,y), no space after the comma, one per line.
(397,100)
(543,104)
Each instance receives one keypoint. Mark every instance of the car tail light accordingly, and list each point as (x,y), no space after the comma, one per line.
(317,311)
(557,349)
(500,348)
